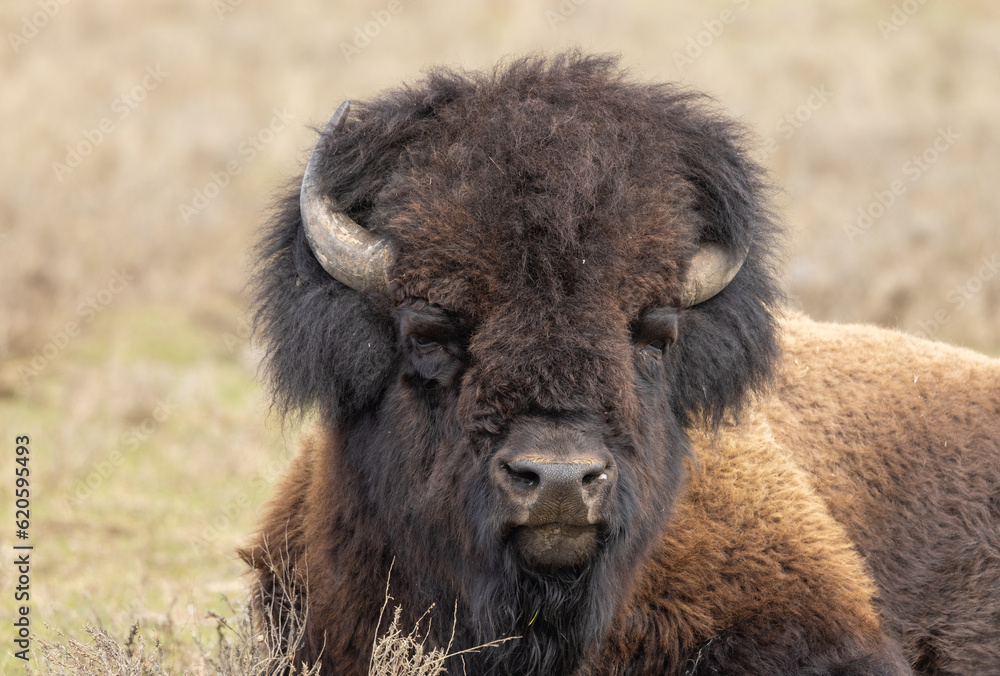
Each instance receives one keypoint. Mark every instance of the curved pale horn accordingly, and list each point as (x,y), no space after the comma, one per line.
(712,268)
(352,255)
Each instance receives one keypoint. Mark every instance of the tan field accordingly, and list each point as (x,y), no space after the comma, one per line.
(142,143)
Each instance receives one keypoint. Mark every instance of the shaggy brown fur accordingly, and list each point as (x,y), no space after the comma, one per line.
(869,481)
(901,437)
(545,216)
(751,551)
(834,509)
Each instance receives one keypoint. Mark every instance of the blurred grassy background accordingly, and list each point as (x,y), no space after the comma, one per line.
(152,448)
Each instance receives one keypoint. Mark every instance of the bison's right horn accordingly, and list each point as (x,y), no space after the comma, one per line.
(352,255)
(712,268)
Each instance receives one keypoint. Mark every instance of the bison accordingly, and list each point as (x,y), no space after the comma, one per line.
(535,313)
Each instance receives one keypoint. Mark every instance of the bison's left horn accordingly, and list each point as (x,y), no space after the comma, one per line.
(352,255)
(712,268)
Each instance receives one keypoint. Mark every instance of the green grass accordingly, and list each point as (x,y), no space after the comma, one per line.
(150,457)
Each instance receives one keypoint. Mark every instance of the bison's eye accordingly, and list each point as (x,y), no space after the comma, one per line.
(424,345)
(655,331)
(654,349)
(433,338)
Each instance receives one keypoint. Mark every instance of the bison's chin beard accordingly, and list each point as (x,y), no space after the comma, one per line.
(559,613)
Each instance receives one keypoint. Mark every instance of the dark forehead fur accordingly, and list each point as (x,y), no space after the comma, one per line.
(558,186)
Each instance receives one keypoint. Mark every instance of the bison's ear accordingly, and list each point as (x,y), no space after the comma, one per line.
(326,345)
(727,346)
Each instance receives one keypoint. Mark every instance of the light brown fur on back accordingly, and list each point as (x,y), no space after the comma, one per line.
(901,436)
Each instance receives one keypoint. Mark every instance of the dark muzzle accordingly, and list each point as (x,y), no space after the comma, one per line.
(555,484)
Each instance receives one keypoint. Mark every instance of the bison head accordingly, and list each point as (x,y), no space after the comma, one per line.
(508,294)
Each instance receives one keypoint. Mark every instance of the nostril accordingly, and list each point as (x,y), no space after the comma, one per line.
(595,476)
(545,490)
(544,474)
(521,476)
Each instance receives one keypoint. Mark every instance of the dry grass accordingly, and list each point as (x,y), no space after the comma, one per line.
(103,655)
(399,654)
(240,649)
(396,653)
(243,645)
(152,538)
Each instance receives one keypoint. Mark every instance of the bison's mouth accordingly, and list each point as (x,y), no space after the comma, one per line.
(557,545)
